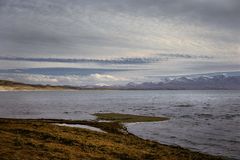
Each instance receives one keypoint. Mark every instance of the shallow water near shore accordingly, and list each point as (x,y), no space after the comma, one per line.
(205,121)
(80,126)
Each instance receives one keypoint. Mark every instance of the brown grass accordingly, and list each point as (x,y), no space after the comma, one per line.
(16,86)
(40,139)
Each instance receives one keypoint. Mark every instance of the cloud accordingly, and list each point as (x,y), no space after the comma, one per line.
(185,56)
(106,77)
(76,80)
(93,28)
(40,79)
(215,13)
(141,60)
(132,60)
(62,71)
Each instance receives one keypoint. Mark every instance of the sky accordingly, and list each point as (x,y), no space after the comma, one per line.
(109,42)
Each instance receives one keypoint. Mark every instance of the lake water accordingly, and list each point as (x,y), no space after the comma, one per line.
(205,121)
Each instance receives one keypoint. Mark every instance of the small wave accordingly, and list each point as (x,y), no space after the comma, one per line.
(204,115)
(228,116)
(74,112)
(186,116)
(184,105)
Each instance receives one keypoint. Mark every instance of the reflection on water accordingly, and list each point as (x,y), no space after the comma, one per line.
(206,121)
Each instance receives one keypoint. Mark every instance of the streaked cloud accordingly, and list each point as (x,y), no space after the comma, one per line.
(62,71)
(185,56)
(100,61)
(133,60)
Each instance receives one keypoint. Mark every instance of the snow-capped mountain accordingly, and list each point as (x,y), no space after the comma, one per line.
(223,80)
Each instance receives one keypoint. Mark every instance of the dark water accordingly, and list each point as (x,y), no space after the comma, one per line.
(205,121)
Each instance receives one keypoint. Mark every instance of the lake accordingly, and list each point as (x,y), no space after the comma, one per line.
(205,121)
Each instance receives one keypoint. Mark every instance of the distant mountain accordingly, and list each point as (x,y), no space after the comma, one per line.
(211,81)
(222,80)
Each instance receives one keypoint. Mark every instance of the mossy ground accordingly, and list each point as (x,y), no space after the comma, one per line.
(127,118)
(42,139)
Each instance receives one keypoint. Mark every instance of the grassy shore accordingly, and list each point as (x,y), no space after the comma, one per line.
(43,139)
(16,86)
(127,118)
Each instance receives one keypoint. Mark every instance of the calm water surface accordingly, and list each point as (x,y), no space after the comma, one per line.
(205,121)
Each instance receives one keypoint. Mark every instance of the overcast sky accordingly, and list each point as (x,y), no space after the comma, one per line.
(143,38)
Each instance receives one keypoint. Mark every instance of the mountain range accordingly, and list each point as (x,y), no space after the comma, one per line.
(210,81)
(183,83)
(214,81)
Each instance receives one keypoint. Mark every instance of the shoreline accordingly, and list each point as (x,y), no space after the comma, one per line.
(116,143)
(6,85)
